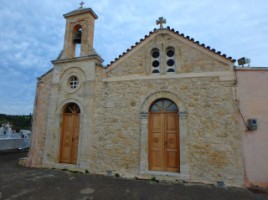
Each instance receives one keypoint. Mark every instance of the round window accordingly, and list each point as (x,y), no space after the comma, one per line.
(73,82)
(155,63)
(170,70)
(155,54)
(170,53)
(170,62)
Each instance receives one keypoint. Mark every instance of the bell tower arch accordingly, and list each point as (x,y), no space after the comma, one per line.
(79,33)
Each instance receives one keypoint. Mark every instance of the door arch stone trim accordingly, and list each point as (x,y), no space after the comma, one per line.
(62,105)
(69,136)
(59,120)
(144,114)
(158,95)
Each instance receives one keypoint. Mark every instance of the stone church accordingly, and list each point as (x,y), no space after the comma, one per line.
(165,108)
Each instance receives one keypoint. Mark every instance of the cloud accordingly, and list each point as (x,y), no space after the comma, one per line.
(32,34)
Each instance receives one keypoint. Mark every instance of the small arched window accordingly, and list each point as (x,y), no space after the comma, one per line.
(77,40)
(72,108)
(163,105)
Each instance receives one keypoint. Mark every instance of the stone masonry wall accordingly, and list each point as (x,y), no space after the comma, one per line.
(61,95)
(111,101)
(213,138)
(39,124)
(214,142)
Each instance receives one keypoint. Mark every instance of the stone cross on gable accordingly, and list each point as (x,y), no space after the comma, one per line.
(161,21)
(81,4)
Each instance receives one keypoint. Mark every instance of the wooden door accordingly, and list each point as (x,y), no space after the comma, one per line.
(156,140)
(70,134)
(164,152)
(171,142)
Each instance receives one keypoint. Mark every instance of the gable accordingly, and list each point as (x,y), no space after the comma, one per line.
(189,56)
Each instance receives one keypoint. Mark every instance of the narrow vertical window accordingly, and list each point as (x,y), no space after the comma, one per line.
(77,50)
(77,40)
(155,61)
(170,59)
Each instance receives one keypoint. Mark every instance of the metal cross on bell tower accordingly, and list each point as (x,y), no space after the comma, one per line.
(160,22)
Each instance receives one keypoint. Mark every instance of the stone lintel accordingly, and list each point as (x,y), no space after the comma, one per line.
(223,76)
(78,59)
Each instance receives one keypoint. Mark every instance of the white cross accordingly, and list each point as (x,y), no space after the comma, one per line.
(81,4)
(161,21)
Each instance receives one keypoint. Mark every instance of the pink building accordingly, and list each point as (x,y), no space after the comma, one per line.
(252,95)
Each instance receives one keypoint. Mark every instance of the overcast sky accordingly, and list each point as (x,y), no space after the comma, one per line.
(32,34)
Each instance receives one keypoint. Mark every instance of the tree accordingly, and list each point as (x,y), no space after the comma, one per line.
(18,122)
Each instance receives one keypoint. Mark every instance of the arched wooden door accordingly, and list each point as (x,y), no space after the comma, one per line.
(164,152)
(70,133)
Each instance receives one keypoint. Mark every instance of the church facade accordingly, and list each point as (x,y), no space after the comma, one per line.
(165,108)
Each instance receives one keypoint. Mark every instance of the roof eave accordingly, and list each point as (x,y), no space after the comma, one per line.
(79,11)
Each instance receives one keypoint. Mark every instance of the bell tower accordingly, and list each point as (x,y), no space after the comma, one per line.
(79,33)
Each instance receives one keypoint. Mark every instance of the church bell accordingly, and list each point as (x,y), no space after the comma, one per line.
(77,37)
